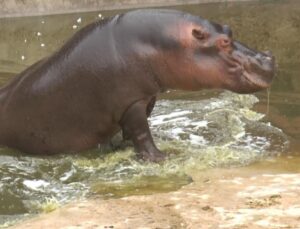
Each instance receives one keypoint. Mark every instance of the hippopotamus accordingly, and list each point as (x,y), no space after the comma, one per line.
(107,76)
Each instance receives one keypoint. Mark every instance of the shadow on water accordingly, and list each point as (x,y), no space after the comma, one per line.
(198,130)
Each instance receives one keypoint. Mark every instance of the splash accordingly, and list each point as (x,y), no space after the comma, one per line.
(196,135)
(226,122)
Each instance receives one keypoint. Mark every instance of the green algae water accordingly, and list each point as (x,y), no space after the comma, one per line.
(198,130)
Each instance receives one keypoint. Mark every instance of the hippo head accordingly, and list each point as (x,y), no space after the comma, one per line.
(211,58)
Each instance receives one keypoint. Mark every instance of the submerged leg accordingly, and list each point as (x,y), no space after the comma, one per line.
(134,123)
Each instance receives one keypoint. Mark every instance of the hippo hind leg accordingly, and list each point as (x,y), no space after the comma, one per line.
(134,123)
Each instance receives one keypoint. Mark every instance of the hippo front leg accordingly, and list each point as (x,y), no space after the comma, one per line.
(134,123)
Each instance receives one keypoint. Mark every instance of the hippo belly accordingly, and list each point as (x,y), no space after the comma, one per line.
(56,121)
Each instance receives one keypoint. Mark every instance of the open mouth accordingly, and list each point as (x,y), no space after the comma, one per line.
(257,70)
(255,79)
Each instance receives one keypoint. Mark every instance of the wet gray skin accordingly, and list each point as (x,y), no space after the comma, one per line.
(199,130)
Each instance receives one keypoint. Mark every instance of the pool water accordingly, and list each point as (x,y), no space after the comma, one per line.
(199,130)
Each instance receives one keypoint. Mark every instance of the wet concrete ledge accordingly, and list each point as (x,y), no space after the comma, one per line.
(255,199)
(17,8)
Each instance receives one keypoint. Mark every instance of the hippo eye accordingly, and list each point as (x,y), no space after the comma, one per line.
(199,34)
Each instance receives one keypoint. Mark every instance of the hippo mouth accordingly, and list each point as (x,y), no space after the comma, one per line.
(255,67)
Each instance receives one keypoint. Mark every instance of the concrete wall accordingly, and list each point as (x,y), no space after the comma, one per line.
(14,8)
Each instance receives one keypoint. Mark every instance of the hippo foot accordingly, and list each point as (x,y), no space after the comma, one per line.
(153,156)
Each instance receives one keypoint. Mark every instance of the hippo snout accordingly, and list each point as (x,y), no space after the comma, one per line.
(265,57)
(268,54)
(258,67)
(263,66)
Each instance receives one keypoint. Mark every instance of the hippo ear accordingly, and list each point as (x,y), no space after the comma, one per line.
(199,34)
(227,30)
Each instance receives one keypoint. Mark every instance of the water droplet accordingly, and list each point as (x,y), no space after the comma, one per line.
(43,22)
(75,26)
(42,45)
(100,15)
(79,20)
(23,57)
(25,41)
(39,33)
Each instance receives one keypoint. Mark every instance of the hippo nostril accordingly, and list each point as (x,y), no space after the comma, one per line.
(268,53)
(264,56)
